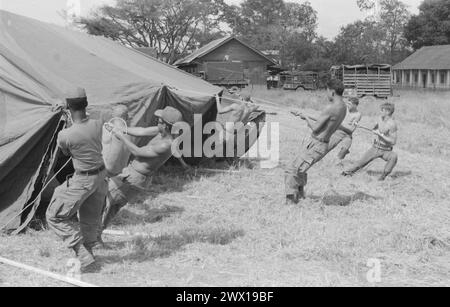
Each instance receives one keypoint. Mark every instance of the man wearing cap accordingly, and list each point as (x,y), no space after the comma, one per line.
(317,146)
(84,194)
(147,160)
(386,138)
(344,135)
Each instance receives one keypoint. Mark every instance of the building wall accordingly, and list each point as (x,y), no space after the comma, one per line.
(255,66)
(426,79)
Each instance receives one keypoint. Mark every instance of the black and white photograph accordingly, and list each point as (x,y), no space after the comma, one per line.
(224,149)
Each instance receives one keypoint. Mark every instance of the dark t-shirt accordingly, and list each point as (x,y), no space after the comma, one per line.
(84,143)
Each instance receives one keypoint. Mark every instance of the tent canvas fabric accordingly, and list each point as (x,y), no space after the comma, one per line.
(39,63)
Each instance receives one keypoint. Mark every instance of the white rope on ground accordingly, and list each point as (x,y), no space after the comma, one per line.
(118,233)
(37,197)
(215,171)
(65,279)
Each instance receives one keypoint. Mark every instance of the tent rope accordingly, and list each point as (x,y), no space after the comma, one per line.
(37,197)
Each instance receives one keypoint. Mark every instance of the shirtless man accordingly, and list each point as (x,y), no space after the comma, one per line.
(239,112)
(147,160)
(386,138)
(317,146)
(344,135)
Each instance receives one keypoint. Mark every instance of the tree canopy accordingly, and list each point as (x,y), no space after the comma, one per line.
(431,26)
(175,28)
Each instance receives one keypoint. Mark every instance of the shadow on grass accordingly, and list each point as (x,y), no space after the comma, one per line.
(141,249)
(334,199)
(151,216)
(170,179)
(395,175)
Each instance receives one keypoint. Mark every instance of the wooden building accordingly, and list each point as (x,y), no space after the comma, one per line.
(229,52)
(427,68)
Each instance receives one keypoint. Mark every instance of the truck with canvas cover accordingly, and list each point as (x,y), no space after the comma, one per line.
(225,74)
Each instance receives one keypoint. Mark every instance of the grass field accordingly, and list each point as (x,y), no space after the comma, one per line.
(233,229)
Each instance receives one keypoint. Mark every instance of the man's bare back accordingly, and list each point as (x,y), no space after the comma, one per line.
(330,120)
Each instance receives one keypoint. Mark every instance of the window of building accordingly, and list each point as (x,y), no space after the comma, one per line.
(408,76)
(433,77)
(416,77)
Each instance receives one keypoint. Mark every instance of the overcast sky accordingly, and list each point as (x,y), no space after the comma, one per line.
(332,13)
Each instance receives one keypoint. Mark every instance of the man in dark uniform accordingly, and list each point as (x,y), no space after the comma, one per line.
(317,146)
(85,193)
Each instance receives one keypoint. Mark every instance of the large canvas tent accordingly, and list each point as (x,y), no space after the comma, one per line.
(39,63)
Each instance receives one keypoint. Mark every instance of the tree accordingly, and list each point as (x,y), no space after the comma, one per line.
(172,27)
(300,18)
(391,17)
(359,43)
(258,22)
(431,26)
(275,24)
(317,64)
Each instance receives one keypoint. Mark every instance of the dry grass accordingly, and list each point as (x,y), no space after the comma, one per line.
(234,229)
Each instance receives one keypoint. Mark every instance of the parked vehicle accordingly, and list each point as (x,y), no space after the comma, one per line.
(365,80)
(226,74)
(301,80)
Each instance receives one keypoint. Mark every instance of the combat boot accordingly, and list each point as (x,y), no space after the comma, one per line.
(383,177)
(301,193)
(346,174)
(292,199)
(100,244)
(85,256)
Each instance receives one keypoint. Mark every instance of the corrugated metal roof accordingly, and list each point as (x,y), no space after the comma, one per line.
(432,57)
(213,46)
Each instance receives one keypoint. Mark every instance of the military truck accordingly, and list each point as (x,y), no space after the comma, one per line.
(300,80)
(225,74)
(373,80)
